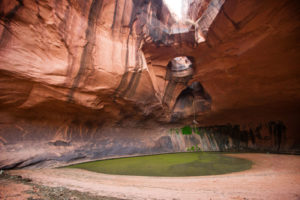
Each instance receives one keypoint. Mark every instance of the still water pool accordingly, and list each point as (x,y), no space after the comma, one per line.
(170,165)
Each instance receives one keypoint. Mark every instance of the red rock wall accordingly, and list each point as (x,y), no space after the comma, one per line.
(74,51)
(88,79)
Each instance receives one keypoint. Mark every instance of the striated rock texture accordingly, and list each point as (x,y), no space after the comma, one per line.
(90,79)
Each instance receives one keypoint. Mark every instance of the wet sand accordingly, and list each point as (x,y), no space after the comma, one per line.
(271,177)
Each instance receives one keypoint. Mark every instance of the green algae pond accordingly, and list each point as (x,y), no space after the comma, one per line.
(169,165)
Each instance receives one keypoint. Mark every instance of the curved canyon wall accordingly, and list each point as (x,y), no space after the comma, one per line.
(85,80)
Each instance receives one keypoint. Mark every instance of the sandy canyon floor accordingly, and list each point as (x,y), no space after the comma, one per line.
(271,177)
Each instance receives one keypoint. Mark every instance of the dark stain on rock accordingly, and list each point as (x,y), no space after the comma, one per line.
(122,88)
(115,14)
(164,143)
(126,87)
(252,137)
(257,132)
(192,139)
(135,78)
(278,131)
(87,56)
(7,18)
(60,143)
(235,25)
(168,95)
(123,13)
(241,138)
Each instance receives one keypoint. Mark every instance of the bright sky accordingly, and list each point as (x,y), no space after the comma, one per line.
(175,7)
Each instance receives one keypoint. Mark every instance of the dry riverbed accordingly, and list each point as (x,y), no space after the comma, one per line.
(271,177)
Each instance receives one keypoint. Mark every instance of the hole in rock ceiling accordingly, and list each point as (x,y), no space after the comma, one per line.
(176,8)
(181,67)
(196,14)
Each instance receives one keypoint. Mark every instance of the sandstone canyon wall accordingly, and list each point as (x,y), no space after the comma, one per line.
(92,79)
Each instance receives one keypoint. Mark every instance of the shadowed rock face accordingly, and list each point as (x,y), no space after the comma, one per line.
(83,80)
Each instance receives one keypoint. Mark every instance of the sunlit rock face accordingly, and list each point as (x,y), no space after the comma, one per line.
(84,53)
(88,51)
(82,80)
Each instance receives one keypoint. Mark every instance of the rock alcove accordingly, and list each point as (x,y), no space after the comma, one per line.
(92,79)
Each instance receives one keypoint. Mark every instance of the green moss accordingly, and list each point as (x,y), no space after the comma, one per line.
(187,130)
(193,148)
(179,164)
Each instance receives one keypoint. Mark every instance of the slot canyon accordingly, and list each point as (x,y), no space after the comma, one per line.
(88,80)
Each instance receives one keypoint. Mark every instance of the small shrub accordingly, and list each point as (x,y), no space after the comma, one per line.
(187,130)
(192,148)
